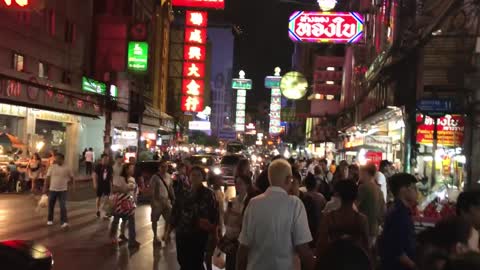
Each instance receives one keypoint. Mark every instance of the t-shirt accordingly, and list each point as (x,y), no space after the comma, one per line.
(104,174)
(273,225)
(89,156)
(160,191)
(382,181)
(59,177)
(117,171)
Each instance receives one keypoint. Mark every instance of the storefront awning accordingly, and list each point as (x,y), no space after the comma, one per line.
(34,94)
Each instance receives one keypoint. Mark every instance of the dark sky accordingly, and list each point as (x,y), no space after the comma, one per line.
(264,43)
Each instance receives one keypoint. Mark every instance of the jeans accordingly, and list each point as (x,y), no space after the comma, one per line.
(88,167)
(191,250)
(132,234)
(52,199)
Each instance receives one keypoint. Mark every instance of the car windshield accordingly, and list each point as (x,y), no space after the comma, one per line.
(202,160)
(230,160)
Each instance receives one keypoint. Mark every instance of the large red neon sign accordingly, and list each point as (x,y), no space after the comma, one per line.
(193,70)
(217,4)
(192,104)
(328,27)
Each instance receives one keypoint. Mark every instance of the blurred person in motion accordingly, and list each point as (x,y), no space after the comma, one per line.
(397,245)
(314,203)
(323,185)
(56,184)
(102,180)
(370,200)
(384,173)
(275,226)
(468,207)
(194,221)
(333,167)
(340,174)
(34,168)
(233,221)
(344,223)
(125,185)
(243,169)
(217,183)
(89,160)
(354,173)
(162,200)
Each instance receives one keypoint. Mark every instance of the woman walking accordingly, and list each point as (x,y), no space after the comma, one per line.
(125,189)
(34,166)
(193,221)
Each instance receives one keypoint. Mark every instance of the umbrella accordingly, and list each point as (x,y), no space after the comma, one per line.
(9,140)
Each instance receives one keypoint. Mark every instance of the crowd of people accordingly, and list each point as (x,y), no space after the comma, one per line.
(333,217)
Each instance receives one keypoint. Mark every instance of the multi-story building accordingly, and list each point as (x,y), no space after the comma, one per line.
(43,58)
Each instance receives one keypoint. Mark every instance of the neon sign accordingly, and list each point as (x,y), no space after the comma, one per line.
(217,4)
(326,27)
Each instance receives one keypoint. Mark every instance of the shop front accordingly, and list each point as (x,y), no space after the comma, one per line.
(443,166)
(40,119)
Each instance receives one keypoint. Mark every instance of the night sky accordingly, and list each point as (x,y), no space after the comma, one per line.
(264,43)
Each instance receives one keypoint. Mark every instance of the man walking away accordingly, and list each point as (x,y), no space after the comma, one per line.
(275,226)
(314,204)
(89,159)
(397,246)
(162,199)
(102,180)
(370,200)
(58,176)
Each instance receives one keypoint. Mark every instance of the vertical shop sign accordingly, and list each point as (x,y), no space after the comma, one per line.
(137,56)
(275,103)
(241,105)
(194,56)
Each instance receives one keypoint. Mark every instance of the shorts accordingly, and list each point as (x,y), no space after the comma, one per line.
(103,191)
(165,212)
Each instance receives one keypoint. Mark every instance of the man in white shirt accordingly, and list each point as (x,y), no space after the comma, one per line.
(89,160)
(162,199)
(275,226)
(58,176)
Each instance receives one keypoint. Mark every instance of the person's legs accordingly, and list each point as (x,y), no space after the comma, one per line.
(62,196)
(132,234)
(154,218)
(88,168)
(230,261)
(34,181)
(114,228)
(209,252)
(52,198)
(166,213)
(182,251)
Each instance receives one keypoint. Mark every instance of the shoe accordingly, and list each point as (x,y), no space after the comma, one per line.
(123,237)
(65,225)
(134,244)
(98,214)
(50,223)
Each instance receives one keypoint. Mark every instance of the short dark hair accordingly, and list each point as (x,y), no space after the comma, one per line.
(370,169)
(104,155)
(118,156)
(347,191)
(450,231)
(245,179)
(60,155)
(324,161)
(384,163)
(401,180)
(310,182)
(466,200)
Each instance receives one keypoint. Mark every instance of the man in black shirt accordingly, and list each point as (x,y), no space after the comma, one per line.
(397,246)
(102,180)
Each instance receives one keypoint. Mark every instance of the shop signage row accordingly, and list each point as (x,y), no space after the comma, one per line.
(326,27)
(12,110)
(199,125)
(436,106)
(47,97)
(450,130)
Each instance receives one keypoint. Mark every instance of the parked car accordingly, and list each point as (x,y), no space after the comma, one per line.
(25,255)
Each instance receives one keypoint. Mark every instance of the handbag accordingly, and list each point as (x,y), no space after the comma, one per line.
(227,245)
(109,205)
(218,259)
(124,205)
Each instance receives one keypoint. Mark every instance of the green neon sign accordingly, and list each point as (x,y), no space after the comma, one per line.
(137,56)
(90,85)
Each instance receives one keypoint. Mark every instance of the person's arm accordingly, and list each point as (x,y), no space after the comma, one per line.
(46,186)
(242,257)
(95,179)
(306,256)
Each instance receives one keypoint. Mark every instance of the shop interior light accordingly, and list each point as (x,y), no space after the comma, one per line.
(39,146)
(115,147)
(330,69)
(460,159)
(318,96)
(330,82)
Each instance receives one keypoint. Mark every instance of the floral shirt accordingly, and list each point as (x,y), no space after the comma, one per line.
(195,206)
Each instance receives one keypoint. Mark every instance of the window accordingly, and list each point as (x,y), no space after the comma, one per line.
(42,70)
(18,62)
(70,31)
(51,22)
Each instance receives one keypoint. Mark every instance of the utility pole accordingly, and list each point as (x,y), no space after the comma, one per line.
(108,105)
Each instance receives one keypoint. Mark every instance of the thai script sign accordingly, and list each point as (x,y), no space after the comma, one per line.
(450,130)
(328,27)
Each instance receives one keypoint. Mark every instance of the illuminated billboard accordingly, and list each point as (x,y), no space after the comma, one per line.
(216,4)
(326,27)
(137,56)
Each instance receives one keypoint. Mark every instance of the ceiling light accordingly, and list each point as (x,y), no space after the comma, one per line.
(330,82)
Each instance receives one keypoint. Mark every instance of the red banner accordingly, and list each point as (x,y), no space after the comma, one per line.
(192,87)
(196,35)
(450,130)
(196,18)
(194,70)
(194,53)
(192,104)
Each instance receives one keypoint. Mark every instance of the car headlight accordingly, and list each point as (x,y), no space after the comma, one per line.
(217,171)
